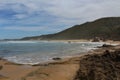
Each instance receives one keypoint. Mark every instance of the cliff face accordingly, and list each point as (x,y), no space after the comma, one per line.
(105,28)
(105,66)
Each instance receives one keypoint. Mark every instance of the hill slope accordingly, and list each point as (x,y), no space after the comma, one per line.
(107,28)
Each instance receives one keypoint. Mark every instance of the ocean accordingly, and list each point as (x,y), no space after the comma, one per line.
(35,52)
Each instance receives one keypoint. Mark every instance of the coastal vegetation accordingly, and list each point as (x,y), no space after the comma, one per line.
(104,29)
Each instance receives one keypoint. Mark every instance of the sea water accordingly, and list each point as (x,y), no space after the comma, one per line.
(34,52)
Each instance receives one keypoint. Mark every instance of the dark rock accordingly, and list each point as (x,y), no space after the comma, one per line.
(104,66)
(96,39)
(56,58)
(1,67)
(107,45)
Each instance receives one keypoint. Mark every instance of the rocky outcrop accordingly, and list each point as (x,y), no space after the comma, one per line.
(104,66)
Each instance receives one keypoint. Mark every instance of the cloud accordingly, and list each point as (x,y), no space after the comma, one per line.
(20,16)
(85,10)
(25,28)
(76,9)
(31,29)
(54,14)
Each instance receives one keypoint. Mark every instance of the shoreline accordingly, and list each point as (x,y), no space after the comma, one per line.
(50,59)
(53,70)
(53,59)
(75,41)
(9,67)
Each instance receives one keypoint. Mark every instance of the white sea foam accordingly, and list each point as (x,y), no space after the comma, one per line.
(43,51)
(21,42)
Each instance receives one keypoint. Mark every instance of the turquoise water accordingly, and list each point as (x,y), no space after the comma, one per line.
(34,52)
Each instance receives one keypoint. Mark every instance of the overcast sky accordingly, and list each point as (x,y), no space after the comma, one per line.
(19,18)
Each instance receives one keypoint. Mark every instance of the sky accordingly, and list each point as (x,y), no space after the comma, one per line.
(20,18)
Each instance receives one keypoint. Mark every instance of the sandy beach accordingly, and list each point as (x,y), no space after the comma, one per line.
(65,69)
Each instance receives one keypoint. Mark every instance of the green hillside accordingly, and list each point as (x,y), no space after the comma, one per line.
(107,28)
